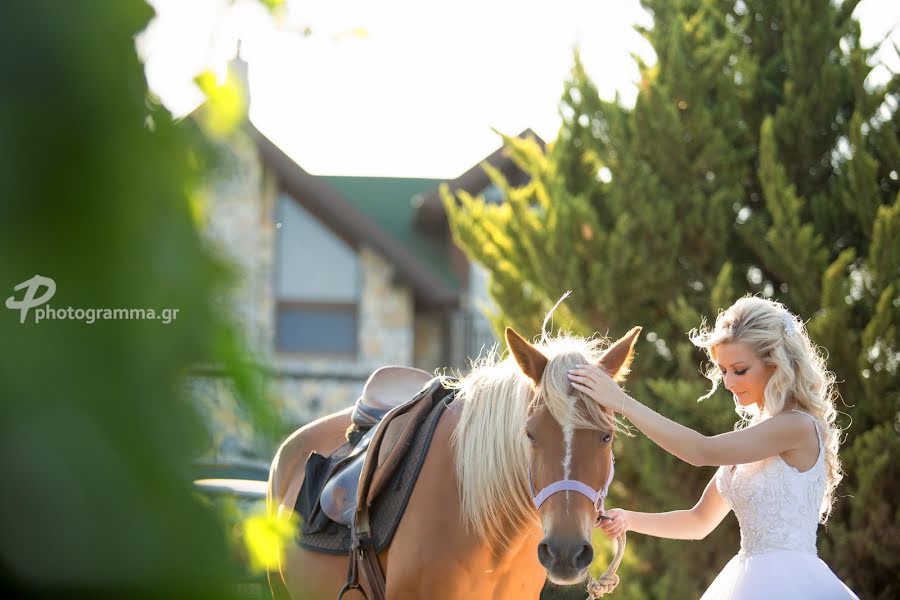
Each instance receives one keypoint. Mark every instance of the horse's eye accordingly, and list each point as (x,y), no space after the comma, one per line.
(607,438)
(529,436)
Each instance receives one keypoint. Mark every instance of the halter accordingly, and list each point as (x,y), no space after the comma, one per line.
(609,580)
(572,485)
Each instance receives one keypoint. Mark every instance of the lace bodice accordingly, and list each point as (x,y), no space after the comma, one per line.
(776,505)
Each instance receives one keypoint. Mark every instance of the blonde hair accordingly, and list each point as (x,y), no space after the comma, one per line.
(779,338)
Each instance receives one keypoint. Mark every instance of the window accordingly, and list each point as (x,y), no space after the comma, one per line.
(319,329)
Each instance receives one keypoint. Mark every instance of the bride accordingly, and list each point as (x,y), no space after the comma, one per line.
(778,473)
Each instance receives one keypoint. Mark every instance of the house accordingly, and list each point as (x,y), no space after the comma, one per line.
(342,275)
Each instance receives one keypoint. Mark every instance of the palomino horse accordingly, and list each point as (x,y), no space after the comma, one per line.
(474,526)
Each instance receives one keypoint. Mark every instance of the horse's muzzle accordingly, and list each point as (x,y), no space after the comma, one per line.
(565,562)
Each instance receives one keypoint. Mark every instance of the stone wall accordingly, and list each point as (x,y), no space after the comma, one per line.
(386,315)
(240,224)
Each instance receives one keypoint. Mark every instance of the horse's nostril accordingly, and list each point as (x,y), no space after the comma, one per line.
(545,554)
(584,557)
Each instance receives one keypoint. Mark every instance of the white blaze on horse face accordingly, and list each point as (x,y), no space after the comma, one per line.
(568,432)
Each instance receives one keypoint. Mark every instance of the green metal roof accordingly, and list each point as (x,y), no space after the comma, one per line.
(387,201)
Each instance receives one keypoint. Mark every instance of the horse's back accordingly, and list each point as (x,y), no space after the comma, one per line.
(286,473)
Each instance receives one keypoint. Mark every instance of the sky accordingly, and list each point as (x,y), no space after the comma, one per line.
(410,88)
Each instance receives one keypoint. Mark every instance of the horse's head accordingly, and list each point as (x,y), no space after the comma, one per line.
(570,440)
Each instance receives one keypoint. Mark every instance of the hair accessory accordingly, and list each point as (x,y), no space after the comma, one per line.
(790,326)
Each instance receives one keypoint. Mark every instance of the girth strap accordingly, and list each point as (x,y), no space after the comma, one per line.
(364,562)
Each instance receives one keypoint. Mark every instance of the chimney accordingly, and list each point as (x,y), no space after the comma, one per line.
(238,67)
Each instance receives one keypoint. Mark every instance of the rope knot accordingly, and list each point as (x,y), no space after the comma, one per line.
(609,580)
(600,587)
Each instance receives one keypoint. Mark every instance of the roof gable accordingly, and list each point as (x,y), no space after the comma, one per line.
(360,224)
(391,203)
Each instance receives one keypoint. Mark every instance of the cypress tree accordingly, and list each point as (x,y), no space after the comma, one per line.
(757,159)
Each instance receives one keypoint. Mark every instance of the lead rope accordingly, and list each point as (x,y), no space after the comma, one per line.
(609,580)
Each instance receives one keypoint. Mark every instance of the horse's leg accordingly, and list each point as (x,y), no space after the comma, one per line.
(286,475)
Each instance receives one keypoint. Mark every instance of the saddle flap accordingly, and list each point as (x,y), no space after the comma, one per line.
(395,442)
(338,497)
(338,500)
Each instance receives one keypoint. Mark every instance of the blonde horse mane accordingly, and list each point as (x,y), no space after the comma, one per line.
(489,442)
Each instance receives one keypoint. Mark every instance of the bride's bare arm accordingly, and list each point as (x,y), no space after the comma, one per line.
(773,436)
(693,524)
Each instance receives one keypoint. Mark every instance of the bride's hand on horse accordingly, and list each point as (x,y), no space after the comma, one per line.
(616,524)
(599,386)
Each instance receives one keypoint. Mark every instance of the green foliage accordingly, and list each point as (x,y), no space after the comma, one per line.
(866,537)
(97,430)
(755,160)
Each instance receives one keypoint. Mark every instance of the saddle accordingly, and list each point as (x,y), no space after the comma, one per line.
(387,388)
(352,501)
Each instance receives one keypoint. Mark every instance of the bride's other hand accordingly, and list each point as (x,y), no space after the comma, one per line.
(598,386)
(616,524)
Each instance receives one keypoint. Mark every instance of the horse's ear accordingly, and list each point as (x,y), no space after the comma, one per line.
(617,358)
(530,360)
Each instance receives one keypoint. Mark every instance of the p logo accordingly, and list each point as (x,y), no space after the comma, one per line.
(29,301)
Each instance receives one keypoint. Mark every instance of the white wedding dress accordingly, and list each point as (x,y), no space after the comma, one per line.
(777,507)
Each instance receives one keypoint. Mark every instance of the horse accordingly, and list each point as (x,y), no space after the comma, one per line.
(475,526)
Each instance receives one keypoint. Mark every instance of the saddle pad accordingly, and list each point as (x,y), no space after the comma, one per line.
(324,535)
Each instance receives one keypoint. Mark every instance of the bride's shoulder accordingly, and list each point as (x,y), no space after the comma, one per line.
(804,425)
(793,418)
(797,416)
(792,425)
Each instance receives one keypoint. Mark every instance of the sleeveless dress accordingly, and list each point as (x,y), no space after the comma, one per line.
(777,507)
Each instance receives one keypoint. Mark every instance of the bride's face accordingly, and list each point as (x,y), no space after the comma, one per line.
(744,374)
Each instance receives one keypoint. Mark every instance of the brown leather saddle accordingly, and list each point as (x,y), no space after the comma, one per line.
(352,501)
(387,389)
